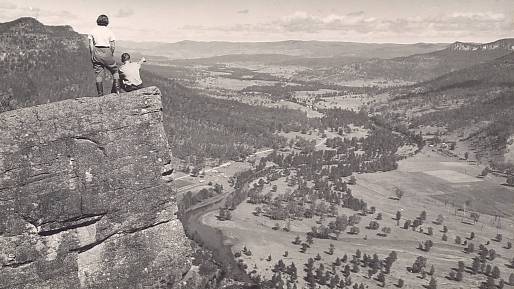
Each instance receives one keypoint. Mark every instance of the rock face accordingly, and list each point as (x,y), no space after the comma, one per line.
(84,201)
(502,44)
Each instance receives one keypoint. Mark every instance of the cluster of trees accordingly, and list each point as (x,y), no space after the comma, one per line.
(189,199)
(376,266)
(319,275)
(40,64)
(207,127)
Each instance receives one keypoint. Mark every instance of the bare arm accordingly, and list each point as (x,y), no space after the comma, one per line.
(113,45)
(91,47)
(141,60)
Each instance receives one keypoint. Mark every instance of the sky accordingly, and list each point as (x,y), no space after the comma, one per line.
(395,21)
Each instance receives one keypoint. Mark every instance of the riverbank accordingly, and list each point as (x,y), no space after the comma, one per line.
(211,238)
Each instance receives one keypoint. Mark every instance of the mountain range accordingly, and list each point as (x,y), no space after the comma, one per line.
(424,66)
(195,49)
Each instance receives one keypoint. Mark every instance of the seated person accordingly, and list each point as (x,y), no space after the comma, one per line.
(129,73)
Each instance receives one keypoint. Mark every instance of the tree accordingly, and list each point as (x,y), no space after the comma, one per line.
(439,220)
(460,266)
(492,254)
(459,276)
(419,264)
(432,284)
(484,172)
(304,247)
(495,273)
(470,248)
(475,266)
(432,270)
(337,261)
(398,193)
(381,279)
(309,239)
(423,216)
(510,182)
(331,249)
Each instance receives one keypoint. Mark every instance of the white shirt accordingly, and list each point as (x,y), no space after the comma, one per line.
(102,36)
(130,73)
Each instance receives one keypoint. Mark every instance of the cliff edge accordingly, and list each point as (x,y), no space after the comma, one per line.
(84,201)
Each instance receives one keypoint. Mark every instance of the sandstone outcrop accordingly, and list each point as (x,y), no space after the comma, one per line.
(84,199)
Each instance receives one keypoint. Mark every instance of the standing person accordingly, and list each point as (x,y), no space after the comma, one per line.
(129,73)
(101,47)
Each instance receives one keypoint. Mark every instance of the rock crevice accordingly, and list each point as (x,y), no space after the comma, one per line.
(84,202)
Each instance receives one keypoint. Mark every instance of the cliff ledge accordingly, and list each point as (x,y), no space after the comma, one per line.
(84,201)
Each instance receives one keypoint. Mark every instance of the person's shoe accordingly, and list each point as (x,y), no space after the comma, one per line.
(115,86)
(100,88)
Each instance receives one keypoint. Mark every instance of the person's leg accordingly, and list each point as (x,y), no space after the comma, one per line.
(98,68)
(110,64)
(113,68)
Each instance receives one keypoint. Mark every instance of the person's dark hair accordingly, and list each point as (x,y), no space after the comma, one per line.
(125,57)
(102,20)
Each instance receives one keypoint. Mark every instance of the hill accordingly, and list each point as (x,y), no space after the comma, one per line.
(267,59)
(195,49)
(425,66)
(476,103)
(40,64)
(495,72)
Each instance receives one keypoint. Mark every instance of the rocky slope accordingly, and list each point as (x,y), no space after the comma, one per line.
(84,200)
(501,44)
(41,64)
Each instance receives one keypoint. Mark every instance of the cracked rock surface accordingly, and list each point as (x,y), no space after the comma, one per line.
(84,201)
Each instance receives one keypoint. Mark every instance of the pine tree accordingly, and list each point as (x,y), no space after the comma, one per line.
(432,284)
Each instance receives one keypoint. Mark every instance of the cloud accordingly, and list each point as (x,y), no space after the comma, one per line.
(52,17)
(358,26)
(356,13)
(244,11)
(124,12)
(7,5)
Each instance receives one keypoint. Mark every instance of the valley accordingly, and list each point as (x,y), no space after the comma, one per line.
(312,164)
(266,229)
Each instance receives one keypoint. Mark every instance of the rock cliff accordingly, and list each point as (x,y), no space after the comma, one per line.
(84,201)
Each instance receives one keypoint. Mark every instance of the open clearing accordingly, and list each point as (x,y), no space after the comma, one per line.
(430,182)
(453,176)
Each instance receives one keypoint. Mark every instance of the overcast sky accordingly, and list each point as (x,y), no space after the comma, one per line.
(400,21)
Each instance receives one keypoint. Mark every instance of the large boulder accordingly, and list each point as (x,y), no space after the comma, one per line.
(84,199)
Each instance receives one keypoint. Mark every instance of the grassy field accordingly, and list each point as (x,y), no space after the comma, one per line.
(430,182)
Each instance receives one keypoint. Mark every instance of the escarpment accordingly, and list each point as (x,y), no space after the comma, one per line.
(84,199)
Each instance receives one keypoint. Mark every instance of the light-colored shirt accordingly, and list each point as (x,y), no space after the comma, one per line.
(129,73)
(102,36)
